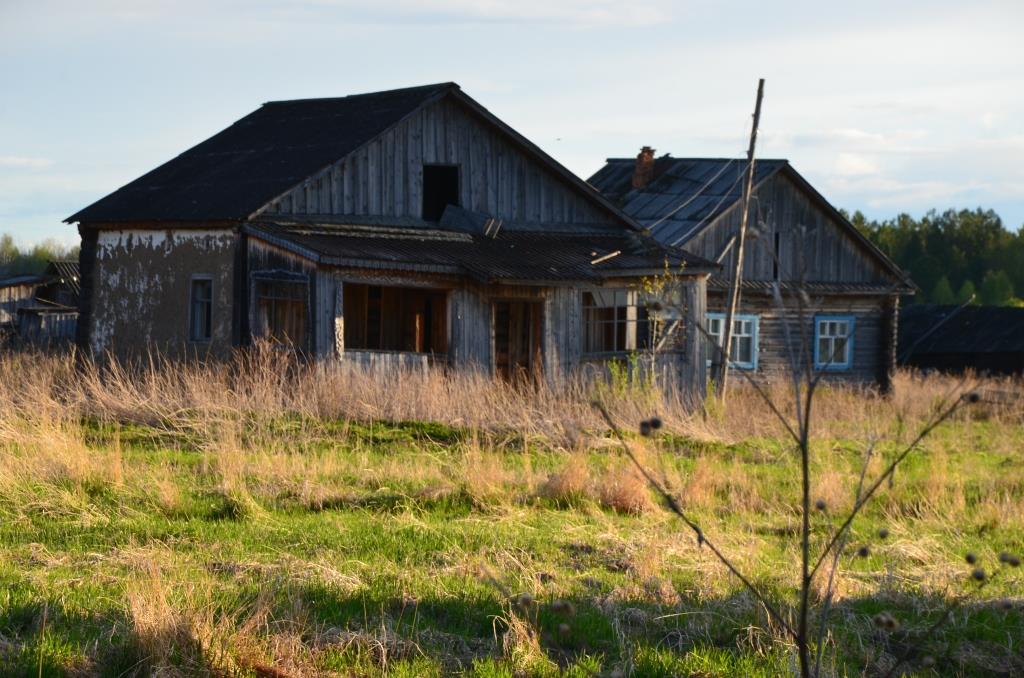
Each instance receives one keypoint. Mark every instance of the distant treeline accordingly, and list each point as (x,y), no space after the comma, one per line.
(17,261)
(953,255)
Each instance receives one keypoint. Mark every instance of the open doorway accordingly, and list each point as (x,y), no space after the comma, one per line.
(518,340)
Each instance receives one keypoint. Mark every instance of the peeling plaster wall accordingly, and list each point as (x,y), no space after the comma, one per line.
(141,288)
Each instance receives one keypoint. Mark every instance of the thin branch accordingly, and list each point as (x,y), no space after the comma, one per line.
(674,506)
(830,589)
(890,469)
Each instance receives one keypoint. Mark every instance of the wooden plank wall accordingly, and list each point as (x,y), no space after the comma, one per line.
(812,243)
(872,320)
(14,297)
(384,178)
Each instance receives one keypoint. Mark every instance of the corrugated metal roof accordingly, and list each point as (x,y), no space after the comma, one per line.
(16,280)
(513,255)
(699,189)
(952,329)
(68,273)
(718,283)
(238,170)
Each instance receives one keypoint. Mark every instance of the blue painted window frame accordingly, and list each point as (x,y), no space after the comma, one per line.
(755,323)
(833,366)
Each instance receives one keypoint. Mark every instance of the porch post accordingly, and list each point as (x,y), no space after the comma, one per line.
(695,369)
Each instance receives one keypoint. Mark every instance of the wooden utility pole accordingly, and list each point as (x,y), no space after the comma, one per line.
(737,276)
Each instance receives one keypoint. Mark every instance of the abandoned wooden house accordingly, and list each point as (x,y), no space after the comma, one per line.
(41,309)
(795,239)
(404,227)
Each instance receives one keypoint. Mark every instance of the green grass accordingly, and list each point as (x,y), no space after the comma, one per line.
(364,549)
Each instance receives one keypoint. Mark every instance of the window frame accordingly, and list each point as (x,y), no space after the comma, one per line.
(192,338)
(279,277)
(755,337)
(833,366)
(641,317)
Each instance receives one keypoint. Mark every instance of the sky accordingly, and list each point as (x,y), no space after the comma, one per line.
(885,107)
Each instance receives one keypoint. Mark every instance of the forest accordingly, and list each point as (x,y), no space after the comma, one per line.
(954,257)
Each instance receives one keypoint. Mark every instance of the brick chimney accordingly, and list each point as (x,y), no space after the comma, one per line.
(644,171)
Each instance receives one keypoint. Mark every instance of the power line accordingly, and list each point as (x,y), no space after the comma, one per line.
(695,195)
(713,210)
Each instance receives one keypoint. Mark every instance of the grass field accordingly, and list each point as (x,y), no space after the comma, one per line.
(266,520)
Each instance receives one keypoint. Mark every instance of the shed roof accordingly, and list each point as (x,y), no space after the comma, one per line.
(68,273)
(928,328)
(687,195)
(513,255)
(17,280)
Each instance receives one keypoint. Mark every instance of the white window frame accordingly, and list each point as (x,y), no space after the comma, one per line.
(739,319)
(830,324)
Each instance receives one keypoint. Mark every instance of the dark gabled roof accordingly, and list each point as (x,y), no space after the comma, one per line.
(514,255)
(234,173)
(698,189)
(687,195)
(927,329)
(238,170)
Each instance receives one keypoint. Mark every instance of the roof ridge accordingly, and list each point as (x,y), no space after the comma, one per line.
(403,90)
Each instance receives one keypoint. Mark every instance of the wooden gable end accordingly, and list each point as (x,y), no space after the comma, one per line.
(813,244)
(497,177)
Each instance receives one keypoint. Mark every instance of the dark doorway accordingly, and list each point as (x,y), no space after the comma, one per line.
(518,340)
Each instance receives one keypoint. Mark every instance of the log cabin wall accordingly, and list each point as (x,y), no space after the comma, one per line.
(385,177)
(872,333)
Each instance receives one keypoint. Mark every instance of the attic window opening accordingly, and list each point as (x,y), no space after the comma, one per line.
(408,319)
(440,189)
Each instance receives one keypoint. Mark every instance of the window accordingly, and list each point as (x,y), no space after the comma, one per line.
(833,342)
(775,258)
(281,313)
(395,318)
(744,348)
(200,314)
(440,189)
(614,322)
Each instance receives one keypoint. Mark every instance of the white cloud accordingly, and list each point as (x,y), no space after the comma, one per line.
(21,162)
(855,164)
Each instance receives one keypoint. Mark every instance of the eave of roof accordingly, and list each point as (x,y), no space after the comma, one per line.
(519,256)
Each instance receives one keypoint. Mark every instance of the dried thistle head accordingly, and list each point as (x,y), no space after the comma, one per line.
(820,505)
(973,397)
(864,551)
(978,574)
(564,629)
(971,558)
(883,533)
(645,428)
(1009,559)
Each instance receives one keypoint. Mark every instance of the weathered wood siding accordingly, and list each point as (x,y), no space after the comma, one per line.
(385,177)
(47,329)
(14,297)
(872,340)
(812,245)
